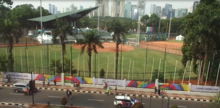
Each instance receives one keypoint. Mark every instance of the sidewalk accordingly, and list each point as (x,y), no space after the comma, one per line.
(138,92)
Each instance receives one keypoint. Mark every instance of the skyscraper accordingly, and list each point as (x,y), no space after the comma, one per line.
(53,9)
(50,8)
(118,8)
(127,10)
(158,11)
(81,7)
(134,12)
(167,10)
(152,8)
(103,8)
(194,5)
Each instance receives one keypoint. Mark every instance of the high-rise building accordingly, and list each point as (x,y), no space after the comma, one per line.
(73,8)
(81,7)
(194,5)
(118,8)
(177,13)
(50,8)
(163,12)
(53,9)
(181,12)
(168,8)
(103,8)
(158,11)
(127,10)
(152,8)
(134,12)
(55,12)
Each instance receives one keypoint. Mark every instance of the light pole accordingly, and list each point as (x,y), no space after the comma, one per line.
(170,23)
(98,15)
(141,5)
(159,22)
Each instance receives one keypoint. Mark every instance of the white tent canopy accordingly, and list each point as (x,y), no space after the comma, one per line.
(180,38)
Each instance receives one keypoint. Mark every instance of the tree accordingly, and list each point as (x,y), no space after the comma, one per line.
(153,22)
(119,30)
(62,28)
(10,30)
(174,106)
(102,73)
(202,35)
(64,101)
(3,63)
(56,66)
(90,42)
(144,19)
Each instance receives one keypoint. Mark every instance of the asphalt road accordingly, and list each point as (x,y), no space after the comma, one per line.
(89,100)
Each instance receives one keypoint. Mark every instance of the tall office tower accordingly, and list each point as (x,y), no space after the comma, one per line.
(173,13)
(50,8)
(103,8)
(177,13)
(53,9)
(81,7)
(191,9)
(127,10)
(73,8)
(134,12)
(182,12)
(67,9)
(168,7)
(118,8)
(194,5)
(55,12)
(163,12)
(152,8)
(158,11)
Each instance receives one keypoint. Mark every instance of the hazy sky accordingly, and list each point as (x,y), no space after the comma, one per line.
(60,4)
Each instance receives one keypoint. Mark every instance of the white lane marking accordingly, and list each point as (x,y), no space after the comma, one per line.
(55,96)
(15,94)
(143,103)
(95,100)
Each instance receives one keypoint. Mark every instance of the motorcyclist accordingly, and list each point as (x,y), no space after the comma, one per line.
(26,92)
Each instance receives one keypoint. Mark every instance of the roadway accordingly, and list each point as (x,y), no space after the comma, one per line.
(89,100)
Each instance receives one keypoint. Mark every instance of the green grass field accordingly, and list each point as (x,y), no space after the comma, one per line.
(175,41)
(137,56)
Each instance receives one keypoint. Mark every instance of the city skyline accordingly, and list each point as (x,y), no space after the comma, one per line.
(92,3)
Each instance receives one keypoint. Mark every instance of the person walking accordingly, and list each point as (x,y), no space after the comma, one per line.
(116,90)
(155,90)
(107,90)
(55,82)
(9,79)
(159,91)
(69,93)
(6,77)
(26,92)
(44,82)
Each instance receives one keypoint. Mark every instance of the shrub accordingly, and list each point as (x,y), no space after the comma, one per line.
(102,73)
(63,101)
(138,105)
(174,106)
(155,74)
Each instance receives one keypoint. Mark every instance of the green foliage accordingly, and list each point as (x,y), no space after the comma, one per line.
(180,73)
(102,73)
(3,63)
(174,106)
(138,105)
(63,101)
(90,42)
(202,34)
(155,76)
(56,66)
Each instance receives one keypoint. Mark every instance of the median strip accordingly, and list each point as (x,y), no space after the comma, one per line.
(55,96)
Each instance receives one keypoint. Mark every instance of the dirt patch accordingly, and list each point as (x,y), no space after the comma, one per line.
(16,45)
(109,47)
(171,47)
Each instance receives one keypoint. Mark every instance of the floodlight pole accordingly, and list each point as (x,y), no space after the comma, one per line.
(32,92)
(170,24)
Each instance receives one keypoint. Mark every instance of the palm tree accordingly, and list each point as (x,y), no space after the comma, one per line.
(10,30)
(62,28)
(90,41)
(119,30)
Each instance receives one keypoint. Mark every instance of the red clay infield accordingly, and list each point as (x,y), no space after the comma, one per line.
(109,47)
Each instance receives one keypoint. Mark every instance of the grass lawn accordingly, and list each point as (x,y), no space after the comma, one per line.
(175,41)
(135,70)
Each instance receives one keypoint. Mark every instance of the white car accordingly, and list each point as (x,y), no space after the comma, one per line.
(124,101)
(21,87)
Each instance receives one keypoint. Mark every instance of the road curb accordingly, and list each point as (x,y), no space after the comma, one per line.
(122,94)
(13,104)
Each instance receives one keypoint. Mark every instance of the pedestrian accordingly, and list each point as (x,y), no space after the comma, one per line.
(55,82)
(9,79)
(6,77)
(68,93)
(159,91)
(78,85)
(26,92)
(44,82)
(155,90)
(116,90)
(107,91)
(48,82)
